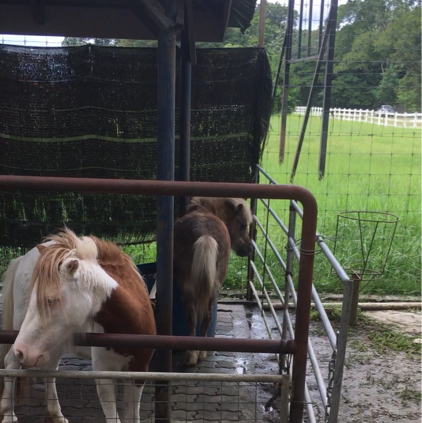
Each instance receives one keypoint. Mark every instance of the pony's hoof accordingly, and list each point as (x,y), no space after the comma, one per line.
(191,358)
(202,354)
(55,420)
(9,419)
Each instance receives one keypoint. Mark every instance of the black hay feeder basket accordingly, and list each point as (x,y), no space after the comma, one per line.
(363,242)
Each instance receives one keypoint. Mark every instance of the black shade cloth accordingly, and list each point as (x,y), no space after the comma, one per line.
(91,111)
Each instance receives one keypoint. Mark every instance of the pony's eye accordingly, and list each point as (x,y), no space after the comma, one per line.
(51,301)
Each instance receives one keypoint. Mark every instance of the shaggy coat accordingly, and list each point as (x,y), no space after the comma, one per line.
(202,242)
(75,284)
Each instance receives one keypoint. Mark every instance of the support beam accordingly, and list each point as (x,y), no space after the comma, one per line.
(311,4)
(152,14)
(188,51)
(261,23)
(165,215)
(329,76)
(308,106)
(286,80)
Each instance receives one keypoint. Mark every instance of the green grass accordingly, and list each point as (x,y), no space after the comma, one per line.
(369,167)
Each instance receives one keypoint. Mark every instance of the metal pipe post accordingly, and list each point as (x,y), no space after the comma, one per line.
(307,253)
(261,23)
(165,214)
(289,271)
(355,298)
(341,352)
(288,55)
(185,112)
(329,75)
(252,234)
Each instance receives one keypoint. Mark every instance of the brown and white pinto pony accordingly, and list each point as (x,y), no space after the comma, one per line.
(75,284)
(202,241)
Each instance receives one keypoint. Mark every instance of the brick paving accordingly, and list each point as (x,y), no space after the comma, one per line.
(192,401)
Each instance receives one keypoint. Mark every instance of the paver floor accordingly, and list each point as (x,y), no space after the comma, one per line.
(192,401)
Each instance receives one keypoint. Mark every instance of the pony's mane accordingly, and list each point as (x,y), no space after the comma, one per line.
(118,265)
(46,271)
(212,204)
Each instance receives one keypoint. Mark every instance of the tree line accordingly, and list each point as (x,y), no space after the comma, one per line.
(377,53)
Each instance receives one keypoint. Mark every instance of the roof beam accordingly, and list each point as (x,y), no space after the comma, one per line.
(37,9)
(152,14)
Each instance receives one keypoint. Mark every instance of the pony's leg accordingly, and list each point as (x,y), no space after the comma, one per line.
(53,406)
(7,403)
(191,356)
(52,399)
(205,324)
(106,388)
(131,398)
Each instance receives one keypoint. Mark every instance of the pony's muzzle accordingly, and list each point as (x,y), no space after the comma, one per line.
(28,358)
(243,249)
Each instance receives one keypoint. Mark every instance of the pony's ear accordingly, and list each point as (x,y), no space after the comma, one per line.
(72,266)
(41,247)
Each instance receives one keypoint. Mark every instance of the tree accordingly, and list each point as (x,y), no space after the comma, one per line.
(77,41)
(373,50)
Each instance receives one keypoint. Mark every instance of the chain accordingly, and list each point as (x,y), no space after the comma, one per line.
(331,369)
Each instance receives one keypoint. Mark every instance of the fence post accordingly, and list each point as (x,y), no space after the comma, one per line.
(405,120)
(395,119)
(414,120)
(289,272)
(355,299)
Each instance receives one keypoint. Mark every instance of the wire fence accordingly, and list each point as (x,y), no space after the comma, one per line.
(404,120)
(373,161)
(369,167)
(194,397)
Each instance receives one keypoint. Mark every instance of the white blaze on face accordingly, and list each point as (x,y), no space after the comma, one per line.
(44,333)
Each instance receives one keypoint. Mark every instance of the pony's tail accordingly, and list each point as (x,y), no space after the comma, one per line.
(204,270)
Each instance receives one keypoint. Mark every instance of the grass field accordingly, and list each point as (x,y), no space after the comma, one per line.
(369,167)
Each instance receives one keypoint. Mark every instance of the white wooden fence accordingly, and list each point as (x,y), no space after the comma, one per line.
(405,120)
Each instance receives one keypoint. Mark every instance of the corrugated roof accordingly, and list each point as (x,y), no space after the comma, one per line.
(118,19)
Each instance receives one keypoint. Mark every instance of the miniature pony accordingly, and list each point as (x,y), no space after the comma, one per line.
(202,241)
(75,284)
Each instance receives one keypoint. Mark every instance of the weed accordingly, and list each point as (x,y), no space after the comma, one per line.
(409,394)
(384,339)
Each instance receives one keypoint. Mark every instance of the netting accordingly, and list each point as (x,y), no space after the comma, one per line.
(92,112)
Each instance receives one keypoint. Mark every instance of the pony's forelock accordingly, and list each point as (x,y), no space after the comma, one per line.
(47,274)
(246,211)
(213,203)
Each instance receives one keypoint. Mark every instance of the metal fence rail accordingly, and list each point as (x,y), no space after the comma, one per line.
(296,347)
(196,397)
(330,393)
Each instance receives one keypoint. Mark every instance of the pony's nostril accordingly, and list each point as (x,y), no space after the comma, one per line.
(19,355)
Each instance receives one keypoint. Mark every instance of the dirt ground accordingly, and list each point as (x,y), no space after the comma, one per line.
(380,384)
(382,374)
